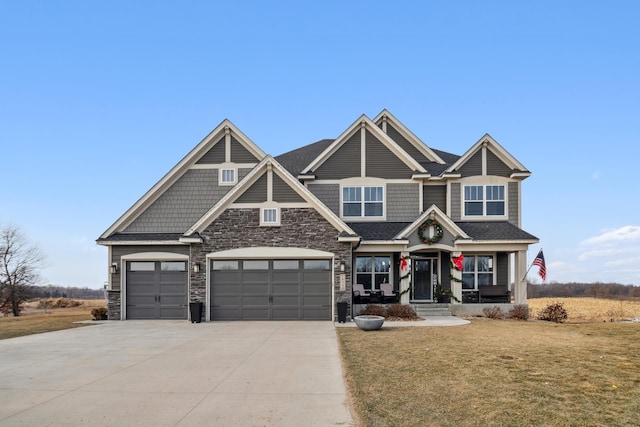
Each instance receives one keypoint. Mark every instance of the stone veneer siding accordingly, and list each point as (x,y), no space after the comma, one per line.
(113,305)
(240,228)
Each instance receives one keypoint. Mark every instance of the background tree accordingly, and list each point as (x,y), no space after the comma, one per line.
(19,264)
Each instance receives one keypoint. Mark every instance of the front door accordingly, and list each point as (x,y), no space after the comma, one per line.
(425,276)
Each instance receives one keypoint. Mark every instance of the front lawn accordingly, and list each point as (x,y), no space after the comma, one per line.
(495,373)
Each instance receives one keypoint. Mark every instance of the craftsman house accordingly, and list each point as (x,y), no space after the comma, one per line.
(374,215)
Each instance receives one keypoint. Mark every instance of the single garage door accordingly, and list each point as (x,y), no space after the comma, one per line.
(271,290)
(156,290)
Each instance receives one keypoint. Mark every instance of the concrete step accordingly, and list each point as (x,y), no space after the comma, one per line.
(425,310)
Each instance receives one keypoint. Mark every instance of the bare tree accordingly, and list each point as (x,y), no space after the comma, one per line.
(19,264)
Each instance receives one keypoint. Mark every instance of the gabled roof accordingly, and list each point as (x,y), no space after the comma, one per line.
(363,120)
(444,220)
(430,154)
(497,149)
(295,161)
(269,163)
(178,170)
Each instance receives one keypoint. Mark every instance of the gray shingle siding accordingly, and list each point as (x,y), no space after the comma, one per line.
(434,195)
(403,202)
(456,208)
(345,162)
(472,166)
(182,204)
(496,167)
(405,144)
(257,193)
(329,194)
(514,203)
(382,163)
(216,154)
(283,193)
(239,154)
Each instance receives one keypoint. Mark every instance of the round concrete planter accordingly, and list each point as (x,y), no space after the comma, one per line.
(369,323)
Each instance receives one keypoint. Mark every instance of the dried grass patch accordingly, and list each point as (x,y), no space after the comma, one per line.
(38,322)
(495,372)
(590,309)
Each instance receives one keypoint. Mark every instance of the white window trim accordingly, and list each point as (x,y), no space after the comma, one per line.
(362,216)
(484,201)
(221,174)
(275,223)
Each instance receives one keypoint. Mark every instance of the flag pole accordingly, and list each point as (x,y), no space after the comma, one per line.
(530,265)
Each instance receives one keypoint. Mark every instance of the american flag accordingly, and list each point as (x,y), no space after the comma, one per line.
(539,261)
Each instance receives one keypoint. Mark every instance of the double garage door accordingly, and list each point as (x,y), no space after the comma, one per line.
(157,290)
(270,289)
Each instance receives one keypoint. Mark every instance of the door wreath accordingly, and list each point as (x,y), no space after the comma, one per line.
(437,231)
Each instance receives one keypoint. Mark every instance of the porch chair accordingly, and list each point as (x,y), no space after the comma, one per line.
(387,292)
(360,294)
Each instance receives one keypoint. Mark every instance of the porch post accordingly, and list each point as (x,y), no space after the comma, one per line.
(405,283)
(520,285)
(456,286)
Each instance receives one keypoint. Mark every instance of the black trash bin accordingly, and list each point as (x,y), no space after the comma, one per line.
(196,311)
(342,311)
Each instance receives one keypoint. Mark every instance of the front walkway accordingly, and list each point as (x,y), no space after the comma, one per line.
(175,373)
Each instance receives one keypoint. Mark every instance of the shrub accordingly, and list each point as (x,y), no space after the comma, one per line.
(520,312)
(401,311)
(99,313)
(374,310)
(554,313)
(494,312)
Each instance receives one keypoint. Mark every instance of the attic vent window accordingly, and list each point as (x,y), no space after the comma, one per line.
(270,216)
(227,176)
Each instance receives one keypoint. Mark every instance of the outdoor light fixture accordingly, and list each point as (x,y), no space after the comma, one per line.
(196,267)
(342,266)
(114,268)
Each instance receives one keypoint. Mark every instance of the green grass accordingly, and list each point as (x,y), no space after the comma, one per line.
(495,373)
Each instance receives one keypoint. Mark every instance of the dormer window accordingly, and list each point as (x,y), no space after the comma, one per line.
(362,202)
(228,176)
(484,200)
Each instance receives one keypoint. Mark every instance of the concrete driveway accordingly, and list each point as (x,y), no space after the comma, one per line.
(175,373)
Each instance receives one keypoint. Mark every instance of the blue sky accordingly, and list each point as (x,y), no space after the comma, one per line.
(98,100)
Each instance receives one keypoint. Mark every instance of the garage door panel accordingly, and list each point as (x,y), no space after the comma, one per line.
(255,288)
(290,300)
(250,313)
(316,300)
(316,313)
(226,313)
(292,313)
(315,288)
(259,300)
(285,288)
(141,313)
(286,276)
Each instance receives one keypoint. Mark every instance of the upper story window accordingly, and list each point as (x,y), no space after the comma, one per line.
(362,202)
(228,176)
(484,200)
